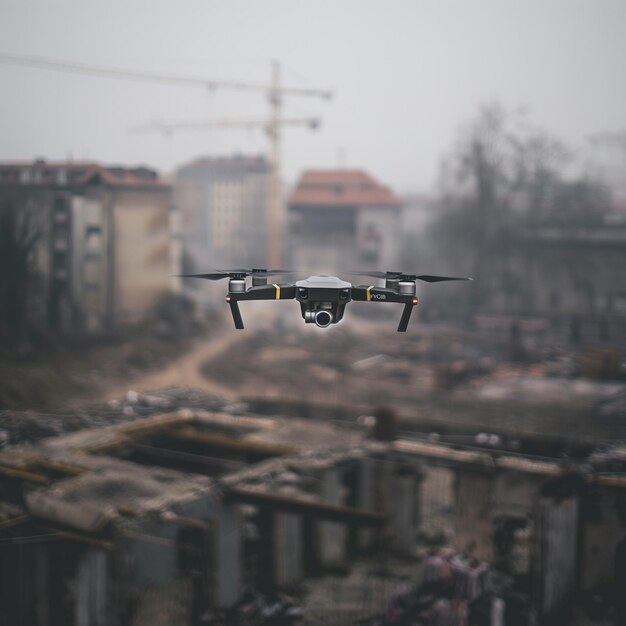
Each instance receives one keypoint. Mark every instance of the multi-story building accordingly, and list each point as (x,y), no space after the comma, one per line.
(223,208)
(342,219)
(102,254)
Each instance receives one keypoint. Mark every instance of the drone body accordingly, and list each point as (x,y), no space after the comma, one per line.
(322,299)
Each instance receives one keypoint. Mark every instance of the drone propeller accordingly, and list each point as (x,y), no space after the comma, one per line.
(403,276)
(237,273)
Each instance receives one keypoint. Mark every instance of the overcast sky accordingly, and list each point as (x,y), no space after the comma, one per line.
(406,76)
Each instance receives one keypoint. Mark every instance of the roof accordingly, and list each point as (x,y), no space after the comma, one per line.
(238,165)
(71,173)
(341,188)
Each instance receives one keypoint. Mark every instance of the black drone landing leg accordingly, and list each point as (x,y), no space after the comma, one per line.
(234,309)
(406,316)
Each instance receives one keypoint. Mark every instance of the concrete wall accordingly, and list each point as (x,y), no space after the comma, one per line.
(473,514)
(556,554)
(332,536)
(288,557)
(403,510)
(385,222)
(436,501)
(515,494)
(228,555)
(142,251)
(601,531)
(92,589)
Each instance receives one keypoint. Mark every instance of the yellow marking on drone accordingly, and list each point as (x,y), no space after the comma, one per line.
(277,292)
(369,295)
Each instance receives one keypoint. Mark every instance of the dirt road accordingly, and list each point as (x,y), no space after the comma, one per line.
(185,371)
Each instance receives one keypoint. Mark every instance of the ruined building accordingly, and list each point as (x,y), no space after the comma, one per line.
(102,253)
(168,519)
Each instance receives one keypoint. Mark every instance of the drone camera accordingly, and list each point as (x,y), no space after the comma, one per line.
(319,317)
(323,318)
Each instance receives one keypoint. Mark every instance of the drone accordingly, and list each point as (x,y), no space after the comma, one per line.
(322,299)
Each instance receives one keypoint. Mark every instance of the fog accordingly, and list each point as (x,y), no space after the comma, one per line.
(415,414)
(405,76)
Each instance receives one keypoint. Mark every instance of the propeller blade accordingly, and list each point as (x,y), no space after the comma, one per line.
(404,276)
(220,274)
(375,274)
(437,279)
(274,272)
(215,276)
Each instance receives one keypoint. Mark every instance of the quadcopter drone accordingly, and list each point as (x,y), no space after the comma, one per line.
(322,299)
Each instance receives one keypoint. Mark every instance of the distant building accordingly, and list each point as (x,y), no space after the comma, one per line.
(103,254)
(566,280)
(223,209)
(342,219)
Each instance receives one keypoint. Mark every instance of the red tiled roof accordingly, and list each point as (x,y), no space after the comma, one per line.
(80,174)
(340,188)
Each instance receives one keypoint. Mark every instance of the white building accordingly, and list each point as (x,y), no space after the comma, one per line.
(223,208)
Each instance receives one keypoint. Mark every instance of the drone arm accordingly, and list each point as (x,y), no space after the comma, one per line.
(380,294)
(406,316)
(268,292)
(260,292)
(234,309)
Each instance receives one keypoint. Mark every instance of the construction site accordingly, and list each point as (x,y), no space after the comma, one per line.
(268,508)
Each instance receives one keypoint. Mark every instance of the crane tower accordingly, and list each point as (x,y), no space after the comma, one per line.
(273,125)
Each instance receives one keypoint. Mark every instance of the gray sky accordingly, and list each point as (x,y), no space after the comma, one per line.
(406,75)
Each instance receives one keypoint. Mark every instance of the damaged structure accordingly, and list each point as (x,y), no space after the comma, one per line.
(168,519)
(100,242)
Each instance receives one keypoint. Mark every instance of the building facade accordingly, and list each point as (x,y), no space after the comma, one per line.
(102,253)
(342,219)
(223,209)
(566,282)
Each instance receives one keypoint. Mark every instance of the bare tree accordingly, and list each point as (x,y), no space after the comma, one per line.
(502,176)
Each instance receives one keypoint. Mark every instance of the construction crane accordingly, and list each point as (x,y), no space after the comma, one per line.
(274,91)
(272,126)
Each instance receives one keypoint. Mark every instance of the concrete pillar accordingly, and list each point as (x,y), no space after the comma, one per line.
(383,476)
(497,612)
(150,553)
(92,589)
(436,500)
(41,585)
(601,531)
(288,553)
(402,512)
(365,497)
(473,513)
(228,556)
(556,542)
(332,535)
